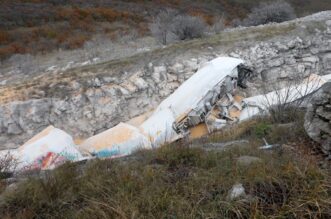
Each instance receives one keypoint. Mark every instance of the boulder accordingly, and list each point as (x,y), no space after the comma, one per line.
(237,191)
(318,118)
(248,160)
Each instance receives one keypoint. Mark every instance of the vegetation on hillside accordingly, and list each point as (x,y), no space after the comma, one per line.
(264,13)
(35,26)
(169,26)
(185,180)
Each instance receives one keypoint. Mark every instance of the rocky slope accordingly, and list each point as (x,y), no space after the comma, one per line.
(85,101)
(318,118)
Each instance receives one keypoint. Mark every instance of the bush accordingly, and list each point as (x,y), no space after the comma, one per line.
(4,37)
(161,25)
(262,129)
(188,27)
(75,42)
(168,26)
(289,97)
(7,165)
(218,26)
(278,11)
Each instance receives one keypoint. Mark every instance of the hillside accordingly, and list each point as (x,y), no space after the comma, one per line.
(88,100)
(99,118)
(34,27)
(225,175)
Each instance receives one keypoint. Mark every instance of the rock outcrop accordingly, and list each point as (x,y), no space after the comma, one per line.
(88,100)
(318,118)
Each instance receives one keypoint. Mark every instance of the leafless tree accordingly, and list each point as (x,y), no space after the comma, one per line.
(188,27)
(168,25)
(218,25)
(162,25)
(92,47)
(268,12)
(8,165)
(285,103)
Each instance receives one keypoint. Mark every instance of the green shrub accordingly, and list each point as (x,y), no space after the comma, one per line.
(262,129)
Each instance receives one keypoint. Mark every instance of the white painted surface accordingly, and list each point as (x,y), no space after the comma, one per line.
(55,141)
(120,140)
(159,126)
(259,103)
(188,95)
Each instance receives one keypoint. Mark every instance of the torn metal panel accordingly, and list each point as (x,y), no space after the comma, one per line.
(46,150)
(120,140)
(260,103)
(225,111)
(191,102)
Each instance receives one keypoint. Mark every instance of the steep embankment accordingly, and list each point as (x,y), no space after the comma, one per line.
(88,100)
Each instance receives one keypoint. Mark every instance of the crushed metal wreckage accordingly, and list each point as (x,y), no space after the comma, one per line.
(206,102)
(46,150)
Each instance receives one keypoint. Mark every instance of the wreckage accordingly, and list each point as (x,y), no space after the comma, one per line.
(206,102)
(188,112)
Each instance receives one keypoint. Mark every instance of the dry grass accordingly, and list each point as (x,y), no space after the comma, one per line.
(86,18)
(178,181)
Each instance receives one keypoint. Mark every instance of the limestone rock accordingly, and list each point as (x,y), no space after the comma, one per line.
(141,83)
(106,96)
(14,129)
(318,118)
(237,191)
(160,75)
(177,68)
(327,61)
(248,160)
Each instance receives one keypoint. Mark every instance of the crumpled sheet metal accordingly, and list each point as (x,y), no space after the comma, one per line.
(46,150)
(260,103)
(158,129)
(118,141)
(193,90)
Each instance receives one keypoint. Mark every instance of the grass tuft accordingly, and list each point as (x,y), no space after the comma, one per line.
(180,181)
(177,181)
